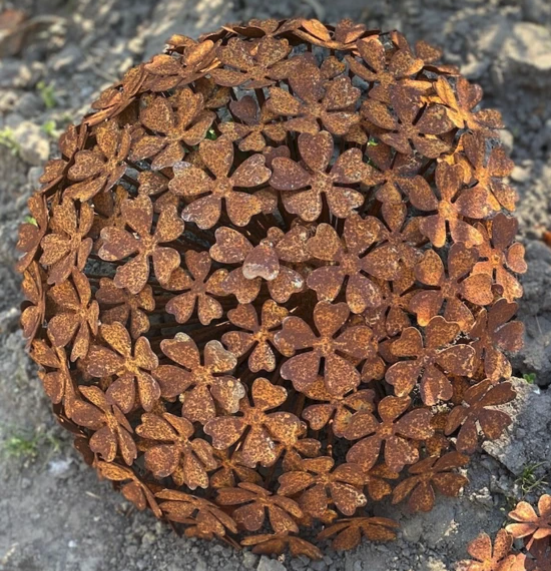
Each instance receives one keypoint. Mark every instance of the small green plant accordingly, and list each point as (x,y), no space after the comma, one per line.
(7,140)
(211,134)
(24,445)
(530,378)
(30,220)
(50,128)
(528,481)
(47,93)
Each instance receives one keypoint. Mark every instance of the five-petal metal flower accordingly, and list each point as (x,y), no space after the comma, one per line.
(100,168)
(303,188)
(200,386)
(500,254)
(259,444)
(254,335)
(68,245)
(530,525)
(345,262)
(460,284)
(171,450)
(188,123)
(119,244)
(340,374)
(492,422)
(131,365)
(397,429)
(254,502)
(349,531)
(207,193)
(429,474)
(120,305)
(320,483)
(112,431)
(431,362)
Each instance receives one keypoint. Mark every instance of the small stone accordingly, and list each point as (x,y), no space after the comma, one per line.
(267,564)
(507,138)
(249,559)
(520,175)
(34,147)
(148,538)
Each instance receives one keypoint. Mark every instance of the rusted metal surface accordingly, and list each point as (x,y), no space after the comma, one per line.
(321,205)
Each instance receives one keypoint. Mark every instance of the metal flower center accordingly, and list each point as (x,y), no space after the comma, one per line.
(350,264)
(385,430)
(447,210)
(321,182)
(222,187)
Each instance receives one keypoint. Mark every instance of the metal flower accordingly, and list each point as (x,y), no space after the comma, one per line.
(112,431)
(345,262)
(102,167)
(203,518)
(303,188)
(259,444)
(462,105)
(383,74)
(76,313)
(257,336)
(340,374)
(315,100)
(119,244)
(168,72)
(500,253)
(276,544)
(254,69)
(199,289)
(489,170)
(261,262)
(531,526)
(178,120)
(492,422)
(171,450)
(335,410)
(460,284)
(32,310)
(493,333)
(320,484)
(32,231)
(114,100)
(349,531)
(432,361)
(408,130)
(340,37)
(134,491)
(230,470)
(123,306)
(488,558)
(67,245)
(396,248)
(55,170)
(131,365)
(396,430)
(427,475)
(201,381)
(208,192)
(254,502)
(375,481)
(58,383)
(452,205)
(254,126)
